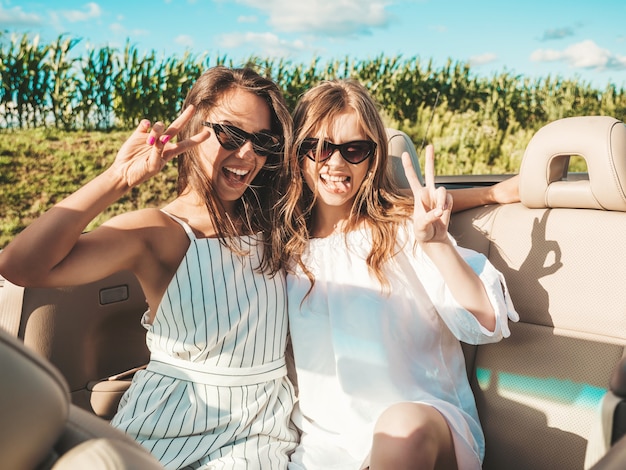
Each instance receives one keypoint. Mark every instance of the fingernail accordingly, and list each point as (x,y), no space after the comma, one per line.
(165,139)
(151,140)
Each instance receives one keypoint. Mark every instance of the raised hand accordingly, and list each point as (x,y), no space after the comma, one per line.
(148,149)
(431,214)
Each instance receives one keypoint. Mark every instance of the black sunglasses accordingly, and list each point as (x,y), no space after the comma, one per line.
(231,138)
(353,152)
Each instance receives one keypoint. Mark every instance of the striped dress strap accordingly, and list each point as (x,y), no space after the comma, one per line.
(185,225)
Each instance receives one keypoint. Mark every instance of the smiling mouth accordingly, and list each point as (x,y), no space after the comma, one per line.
(235,175)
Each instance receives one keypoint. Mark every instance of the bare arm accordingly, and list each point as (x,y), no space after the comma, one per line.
(53,251)
(50,251)
(504,192)
(433,207)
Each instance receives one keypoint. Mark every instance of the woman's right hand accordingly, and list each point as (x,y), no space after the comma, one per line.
(54,250)
(148,149)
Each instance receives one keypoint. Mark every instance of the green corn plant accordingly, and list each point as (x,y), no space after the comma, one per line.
(24,82)
(3,73)
(41,84)
(133,86)
(62,90)
(295,79)
(178,77)
(95,90)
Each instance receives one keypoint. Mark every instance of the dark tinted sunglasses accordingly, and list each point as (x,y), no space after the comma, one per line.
(353,152)
(232,138)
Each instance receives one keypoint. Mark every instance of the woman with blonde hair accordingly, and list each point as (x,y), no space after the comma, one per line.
(379,297)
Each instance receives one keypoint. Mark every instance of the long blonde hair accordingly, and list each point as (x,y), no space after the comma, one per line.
(378,202)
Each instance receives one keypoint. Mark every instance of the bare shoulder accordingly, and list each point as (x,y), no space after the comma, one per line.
(138,220)
(148,236)
(156,244)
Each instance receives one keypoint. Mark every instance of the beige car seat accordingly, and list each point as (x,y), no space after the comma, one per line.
(398,143)
(42,430)
(544,394)
(550,396)
(91,333)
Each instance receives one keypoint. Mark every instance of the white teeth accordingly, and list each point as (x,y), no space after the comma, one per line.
(238,171)
(334,179)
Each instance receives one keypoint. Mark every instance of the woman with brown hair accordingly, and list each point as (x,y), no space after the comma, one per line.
(215,393)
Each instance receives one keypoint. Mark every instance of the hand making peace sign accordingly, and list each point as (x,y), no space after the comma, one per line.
(433,206)
(148,149)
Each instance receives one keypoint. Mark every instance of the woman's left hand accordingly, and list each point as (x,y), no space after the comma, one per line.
(433,206)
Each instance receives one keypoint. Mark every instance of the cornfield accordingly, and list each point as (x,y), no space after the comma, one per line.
(481,124)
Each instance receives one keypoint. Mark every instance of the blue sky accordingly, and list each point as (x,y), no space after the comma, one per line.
(583,39)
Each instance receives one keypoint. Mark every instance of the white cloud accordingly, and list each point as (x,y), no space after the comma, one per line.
(184,40)
(584,55)
(92,11)
(247,19)
(338,18)
(264,44)
(117,29)
(139,32)
(483,59)
(17,17)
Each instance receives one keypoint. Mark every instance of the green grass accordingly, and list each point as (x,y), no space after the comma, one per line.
(40,167)
(480,125)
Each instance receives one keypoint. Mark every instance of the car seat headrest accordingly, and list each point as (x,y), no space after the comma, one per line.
(399,142)
(600,140)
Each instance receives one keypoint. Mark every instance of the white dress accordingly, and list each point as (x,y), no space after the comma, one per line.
(358,350)
(215,394)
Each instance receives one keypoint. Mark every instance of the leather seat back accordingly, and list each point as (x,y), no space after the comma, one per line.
(543,394)
(90,333)
(41,429)
(34,406)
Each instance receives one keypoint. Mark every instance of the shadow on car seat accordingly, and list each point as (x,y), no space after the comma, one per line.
(543,394)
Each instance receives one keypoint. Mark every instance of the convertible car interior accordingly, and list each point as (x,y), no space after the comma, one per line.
(551,396)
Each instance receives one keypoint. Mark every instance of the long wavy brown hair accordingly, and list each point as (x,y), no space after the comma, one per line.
(378,203)
(254,211)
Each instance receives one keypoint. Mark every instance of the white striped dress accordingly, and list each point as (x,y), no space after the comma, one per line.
(215,393)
